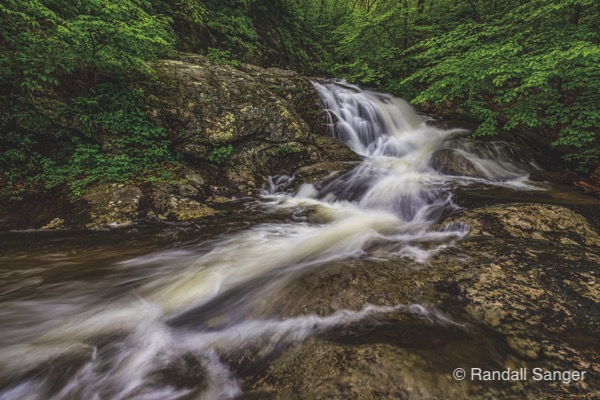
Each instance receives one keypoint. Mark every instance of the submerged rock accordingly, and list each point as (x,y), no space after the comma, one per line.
(449,162)
(325,170)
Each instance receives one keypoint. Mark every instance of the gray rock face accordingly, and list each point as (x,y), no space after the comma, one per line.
(452,163)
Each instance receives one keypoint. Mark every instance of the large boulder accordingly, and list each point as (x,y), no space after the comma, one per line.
(530,272)
(203,103)
(271,118)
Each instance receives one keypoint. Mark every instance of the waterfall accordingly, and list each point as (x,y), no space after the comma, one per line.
(389,206)
(398,174)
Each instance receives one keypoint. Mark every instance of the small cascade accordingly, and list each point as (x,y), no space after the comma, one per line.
(190,307)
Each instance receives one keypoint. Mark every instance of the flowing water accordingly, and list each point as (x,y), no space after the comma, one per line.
(111,315)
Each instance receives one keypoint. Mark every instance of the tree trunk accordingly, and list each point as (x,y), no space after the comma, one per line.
(576,13)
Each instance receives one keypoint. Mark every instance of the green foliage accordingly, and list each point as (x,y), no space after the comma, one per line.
(221,57)
(229,25)
(221,155)
(531,68)
(70,112)
(135,147)
(49,42)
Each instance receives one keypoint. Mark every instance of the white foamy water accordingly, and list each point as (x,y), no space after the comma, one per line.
(77,345)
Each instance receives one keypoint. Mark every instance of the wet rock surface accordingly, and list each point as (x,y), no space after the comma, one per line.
(511,295)
(449,162)
(565,177)
(323,171)
(530,221)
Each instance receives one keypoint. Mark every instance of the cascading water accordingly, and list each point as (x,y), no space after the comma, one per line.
(198,302)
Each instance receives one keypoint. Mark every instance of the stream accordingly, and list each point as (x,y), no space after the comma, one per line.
(171,311)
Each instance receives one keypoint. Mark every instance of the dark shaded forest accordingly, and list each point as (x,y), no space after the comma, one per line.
(68,70)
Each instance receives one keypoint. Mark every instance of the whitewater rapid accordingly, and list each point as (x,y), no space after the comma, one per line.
(390,204)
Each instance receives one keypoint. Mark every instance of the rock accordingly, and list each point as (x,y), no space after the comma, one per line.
(591,185)
(172,202)
(187,190)
(588,188)
(530,272)
(295,89)
(195,151)
(271,117)
(202,103)
(195,178)
(348,285)
(327,148)
(530,221)
(564,177)
(122,204)
(160,194)
(319,369)
(113,204)
(542,298)
(323,170)
(378,358)
(449,162)
(521,290)
(184,209)
(56,223)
